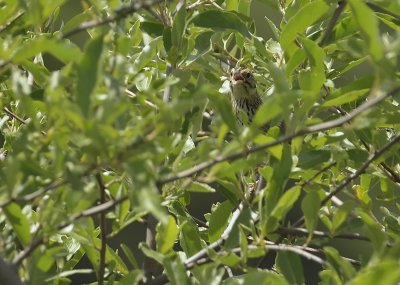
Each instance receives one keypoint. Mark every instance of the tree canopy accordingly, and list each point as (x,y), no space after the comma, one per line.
(117,114)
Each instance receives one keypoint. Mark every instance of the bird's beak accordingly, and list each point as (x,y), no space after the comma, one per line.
(237,76)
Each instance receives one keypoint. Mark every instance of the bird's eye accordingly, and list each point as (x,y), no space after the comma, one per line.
(247,75)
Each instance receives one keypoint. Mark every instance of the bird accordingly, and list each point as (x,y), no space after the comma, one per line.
(244,95)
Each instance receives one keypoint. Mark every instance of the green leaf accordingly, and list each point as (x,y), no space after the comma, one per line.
(166,235)
(279,77)
(342,266)
(310,207)
(19,223)
(178,27)
(270,109)
(289,264)
(130,256)
(200,187)
(312,79)
(341,215)
(88,71)
(219,220)
(274,29)
(151,253)
(346,98)
(314,157)
(202,46)
(306,16)
(8,11)
(224,107)
(64,50)
(219,20)
(374,231)
(283,206)
(190,237)
(257,277)
(154,29)
(147,54)
(382,272)
(368,24)
(176,271)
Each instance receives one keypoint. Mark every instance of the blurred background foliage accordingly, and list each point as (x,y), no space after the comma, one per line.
(116,112)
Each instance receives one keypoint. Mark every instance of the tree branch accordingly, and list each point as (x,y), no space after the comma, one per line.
(34,195)
(390,173)
(103,233)
(334,19)
(362,169)
(354,175)
(19,119)
(120,14)
(285,138)
(320,234)
(87,213)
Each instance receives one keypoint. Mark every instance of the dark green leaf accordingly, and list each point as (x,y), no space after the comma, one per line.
(307,15)
(178,27)
(64,50)
(219,220)
(368,24)
(19,223)
(176,271)
(310,207)
(88,71)
(289,264)
(200,187)
(166,235)
(221,21)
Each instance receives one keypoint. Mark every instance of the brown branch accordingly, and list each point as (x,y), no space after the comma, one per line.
(285,138)
(303,232)
(103,233)
(33,195)
(120,14)
(333,21)
(19,119)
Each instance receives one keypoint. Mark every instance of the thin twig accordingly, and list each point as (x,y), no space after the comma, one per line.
(354,175)
(191,260)
(201,3)
(320,234)
(285,138)
(167,90)
(335,199)
(84,214)
(19,119)
(334,19)
(33,195)
(121,13)
(285,247)
(362,169)
(147,102)
(389,172)
(103,233)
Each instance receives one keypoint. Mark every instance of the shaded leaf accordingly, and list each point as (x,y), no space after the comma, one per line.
(88,71)
(221,21)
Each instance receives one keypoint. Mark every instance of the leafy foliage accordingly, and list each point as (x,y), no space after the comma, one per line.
(121,114)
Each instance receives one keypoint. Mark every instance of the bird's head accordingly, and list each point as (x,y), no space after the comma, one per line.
(242,83)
